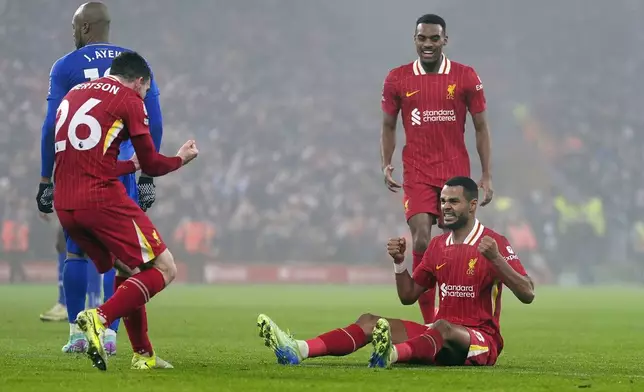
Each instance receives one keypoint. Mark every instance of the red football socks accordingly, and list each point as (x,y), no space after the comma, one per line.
(135,292)
(338,342)
(136,325)
(423,348)
(427,300)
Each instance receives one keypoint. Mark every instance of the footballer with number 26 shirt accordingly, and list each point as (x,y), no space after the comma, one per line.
(434,94)
(93,206)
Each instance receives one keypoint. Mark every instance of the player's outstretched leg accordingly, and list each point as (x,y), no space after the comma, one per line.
(338,342)
(450,340)
(109,338)
(75,286)
(59,311)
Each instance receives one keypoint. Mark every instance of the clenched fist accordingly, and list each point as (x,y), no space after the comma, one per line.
(188,151)
(488,247)
(396,248)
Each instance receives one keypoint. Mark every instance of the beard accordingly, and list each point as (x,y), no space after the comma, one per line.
(460,222)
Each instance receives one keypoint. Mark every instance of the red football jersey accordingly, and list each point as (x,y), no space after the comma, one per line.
(469,286)
(434,109)
(91,122)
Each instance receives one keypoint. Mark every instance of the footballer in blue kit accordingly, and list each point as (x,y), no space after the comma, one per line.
(92,60)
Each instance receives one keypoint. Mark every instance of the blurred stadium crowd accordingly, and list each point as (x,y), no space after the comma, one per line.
(283,98)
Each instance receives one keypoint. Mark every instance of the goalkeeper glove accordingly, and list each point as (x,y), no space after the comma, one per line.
(147,192)
(45,197)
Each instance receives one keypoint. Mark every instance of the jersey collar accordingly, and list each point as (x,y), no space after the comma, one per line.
(446,66)
(471,238)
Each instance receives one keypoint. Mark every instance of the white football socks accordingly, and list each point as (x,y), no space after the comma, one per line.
(303,347)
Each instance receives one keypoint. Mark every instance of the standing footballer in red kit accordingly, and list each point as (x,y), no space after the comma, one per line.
(434,95)
(94,207)
(471,264)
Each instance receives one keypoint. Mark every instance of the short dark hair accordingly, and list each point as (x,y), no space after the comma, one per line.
(130,66)
(470,188)
(432,19)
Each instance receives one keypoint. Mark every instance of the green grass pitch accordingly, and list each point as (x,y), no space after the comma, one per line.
(568,339)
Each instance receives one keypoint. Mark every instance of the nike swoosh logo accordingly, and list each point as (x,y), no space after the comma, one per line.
(440,266)
(411,93)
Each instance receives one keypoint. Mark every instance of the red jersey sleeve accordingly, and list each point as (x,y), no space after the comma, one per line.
(423,274)
(124,167)
(390,95)
(474,95)
(508,254)
(135,117)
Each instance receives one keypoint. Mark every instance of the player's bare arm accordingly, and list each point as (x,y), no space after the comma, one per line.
(408,290)
(483,147)
(387,147)
(521,286)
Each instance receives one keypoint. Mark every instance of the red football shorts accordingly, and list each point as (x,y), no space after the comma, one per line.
(421,198)
(483,350)
(121,230)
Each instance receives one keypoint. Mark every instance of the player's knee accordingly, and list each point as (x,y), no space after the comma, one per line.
(420,241)
(367,322)
(444,327)
(165,264)
(420,228)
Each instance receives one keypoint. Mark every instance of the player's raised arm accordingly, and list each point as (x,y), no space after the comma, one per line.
(508,267)
(131,70)
(390,108)
(150,161)
(408,290)
(475,99)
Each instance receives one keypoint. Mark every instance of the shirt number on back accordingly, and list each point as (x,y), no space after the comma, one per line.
(92,73)
(479,336)
(80,117)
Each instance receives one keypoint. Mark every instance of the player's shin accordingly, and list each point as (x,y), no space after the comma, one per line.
(61,267)
(109,285)
(135,292)
(423,348)
(136,325)
(94,283)
(75,286)
(341,341)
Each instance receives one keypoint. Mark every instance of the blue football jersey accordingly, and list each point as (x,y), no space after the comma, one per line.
(88,63)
